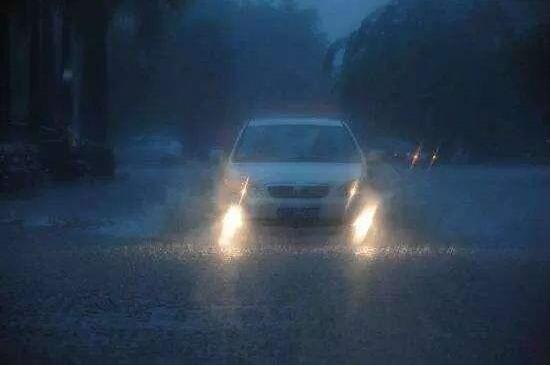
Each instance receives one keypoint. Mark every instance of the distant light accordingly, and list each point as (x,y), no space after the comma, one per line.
(67,75)
(363,223)
(416,156)
(434,157)
(414,159)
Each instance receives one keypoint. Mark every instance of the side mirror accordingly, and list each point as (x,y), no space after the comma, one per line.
(216,156)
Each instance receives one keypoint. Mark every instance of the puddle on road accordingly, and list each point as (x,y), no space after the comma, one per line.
(190,248)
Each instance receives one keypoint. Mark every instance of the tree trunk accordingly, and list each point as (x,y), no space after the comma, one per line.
(5,99)
(51,137)
(48,70)
(93,109)
(35,69)
(93,106)
(43,73)
(65,103)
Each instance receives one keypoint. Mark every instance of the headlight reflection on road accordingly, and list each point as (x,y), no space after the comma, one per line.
(232,223)
(363,223)
(365,252)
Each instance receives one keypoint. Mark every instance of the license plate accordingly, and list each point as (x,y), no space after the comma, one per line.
(295,213)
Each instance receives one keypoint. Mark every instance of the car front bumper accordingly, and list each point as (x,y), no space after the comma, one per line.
(322,210)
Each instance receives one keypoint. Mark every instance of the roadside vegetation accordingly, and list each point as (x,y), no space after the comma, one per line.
(468,79)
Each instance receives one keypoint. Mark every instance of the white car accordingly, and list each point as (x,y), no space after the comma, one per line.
(294,169)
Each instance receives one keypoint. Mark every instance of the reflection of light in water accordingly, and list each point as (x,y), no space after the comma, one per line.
(230,252)
(365,252)
(363,223)
(231,224)
(403,251)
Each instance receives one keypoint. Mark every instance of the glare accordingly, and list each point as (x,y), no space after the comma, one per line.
(243,191)
(353,189)
(352,192)
(365,252)
(231,224)
(231,252)
(363,223)
(434,157)
(416,156)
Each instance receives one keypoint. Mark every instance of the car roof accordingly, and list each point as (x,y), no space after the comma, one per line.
(295,121)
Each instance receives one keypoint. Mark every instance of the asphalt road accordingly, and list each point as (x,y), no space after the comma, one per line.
(129,271)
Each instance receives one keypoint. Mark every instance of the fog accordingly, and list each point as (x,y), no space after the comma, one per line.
(462,77)
(274,181)
(339,18)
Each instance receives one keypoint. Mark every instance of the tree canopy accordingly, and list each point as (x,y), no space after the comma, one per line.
(207,68)
(461,73)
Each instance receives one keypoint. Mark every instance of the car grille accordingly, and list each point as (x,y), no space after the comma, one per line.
(288,191)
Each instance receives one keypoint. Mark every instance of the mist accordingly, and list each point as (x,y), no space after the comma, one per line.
(198,70)
(274,181)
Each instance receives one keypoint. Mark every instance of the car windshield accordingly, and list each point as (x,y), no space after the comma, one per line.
(299,143)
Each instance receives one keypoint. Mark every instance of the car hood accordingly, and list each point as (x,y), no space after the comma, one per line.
(295,173)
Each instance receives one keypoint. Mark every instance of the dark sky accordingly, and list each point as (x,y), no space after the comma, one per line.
(340,17)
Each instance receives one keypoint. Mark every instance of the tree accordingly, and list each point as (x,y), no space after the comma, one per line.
(213,66)
(530,55)
(5,46)
(92,21)
(438,72)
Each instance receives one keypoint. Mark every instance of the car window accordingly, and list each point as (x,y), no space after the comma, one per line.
(300,143)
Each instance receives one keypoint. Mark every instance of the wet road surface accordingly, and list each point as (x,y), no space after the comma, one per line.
(129,271)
